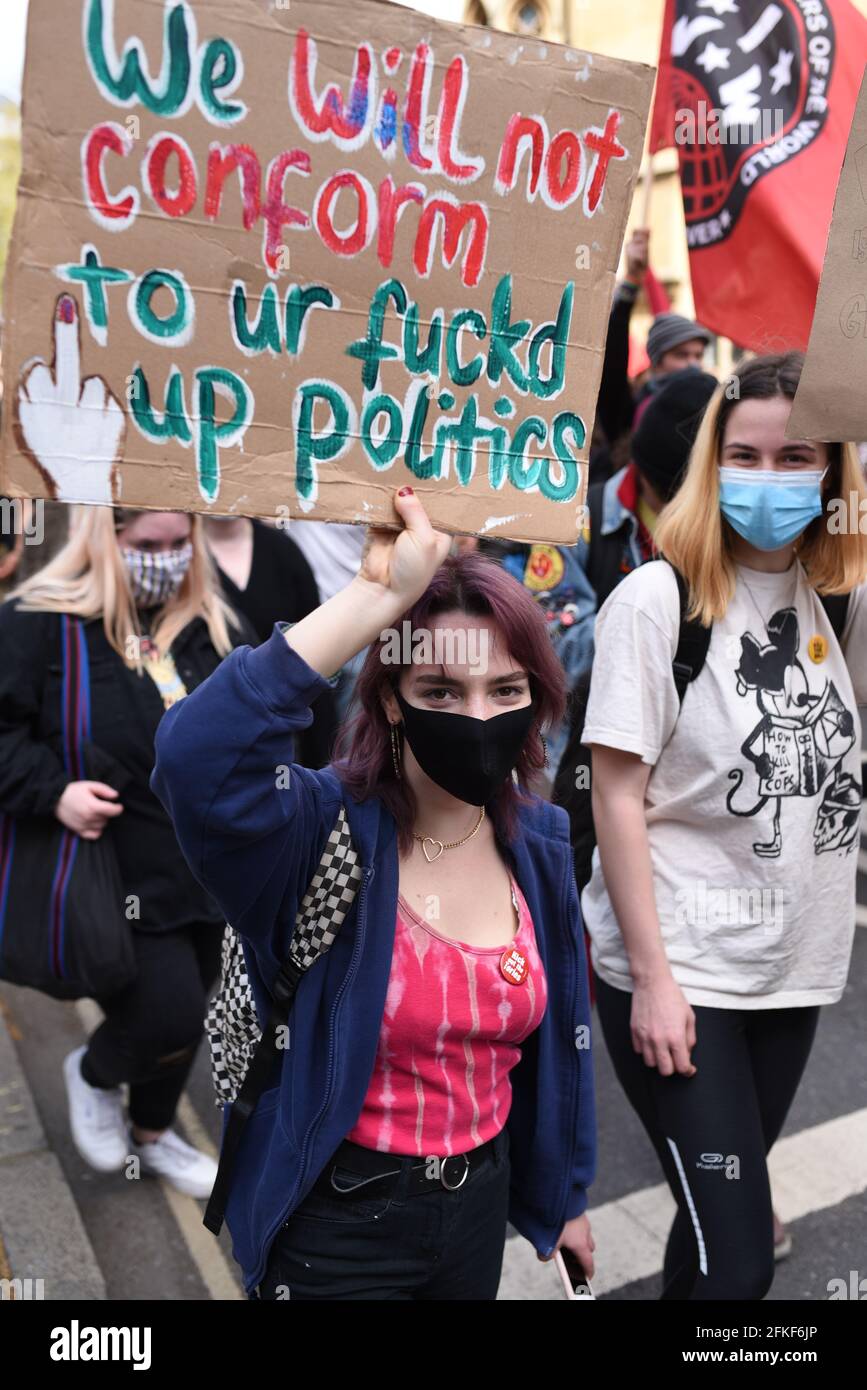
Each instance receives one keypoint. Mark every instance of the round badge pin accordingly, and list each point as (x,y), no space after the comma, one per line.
(514,967)
(817,648)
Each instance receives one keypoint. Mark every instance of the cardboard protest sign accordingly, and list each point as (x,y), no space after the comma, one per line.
(831,400)
(281,257)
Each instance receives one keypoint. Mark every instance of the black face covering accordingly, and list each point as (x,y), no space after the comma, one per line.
(470,758)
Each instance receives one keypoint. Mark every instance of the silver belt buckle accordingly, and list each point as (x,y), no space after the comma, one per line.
(453,1187)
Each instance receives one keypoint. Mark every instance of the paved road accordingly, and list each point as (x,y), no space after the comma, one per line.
(148,1242)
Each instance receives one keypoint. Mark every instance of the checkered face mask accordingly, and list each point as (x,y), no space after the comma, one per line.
(156,576)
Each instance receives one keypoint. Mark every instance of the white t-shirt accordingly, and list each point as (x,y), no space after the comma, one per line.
(332,550)
(753,806)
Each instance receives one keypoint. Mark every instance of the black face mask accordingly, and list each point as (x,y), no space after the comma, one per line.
(470,758)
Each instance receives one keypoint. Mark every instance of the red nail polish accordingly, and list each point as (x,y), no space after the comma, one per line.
(404,492)
(66,309)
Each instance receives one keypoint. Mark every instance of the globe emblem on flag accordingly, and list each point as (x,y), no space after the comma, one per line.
(704,176)
(749,85)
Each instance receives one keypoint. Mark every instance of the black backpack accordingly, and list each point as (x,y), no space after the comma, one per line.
(689,658)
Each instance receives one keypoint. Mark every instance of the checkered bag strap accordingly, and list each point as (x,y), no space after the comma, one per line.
(232,1025)
(318,920)
(328,899)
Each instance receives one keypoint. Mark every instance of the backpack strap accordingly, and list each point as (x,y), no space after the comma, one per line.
(836,607)
(604,564)
(694,639)
(692,642)
(328,899)
(75,695)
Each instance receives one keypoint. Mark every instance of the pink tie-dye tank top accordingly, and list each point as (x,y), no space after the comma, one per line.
(450,1034)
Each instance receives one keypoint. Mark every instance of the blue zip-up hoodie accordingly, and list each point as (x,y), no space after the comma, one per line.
(253,830)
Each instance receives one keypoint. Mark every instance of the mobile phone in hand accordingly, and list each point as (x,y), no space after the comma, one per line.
(575,1281)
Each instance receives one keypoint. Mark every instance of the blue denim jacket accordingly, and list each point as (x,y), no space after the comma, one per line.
(555,576)
(253,836)
(614,514)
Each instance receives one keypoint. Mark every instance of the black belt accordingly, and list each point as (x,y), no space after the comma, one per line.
(425,1175)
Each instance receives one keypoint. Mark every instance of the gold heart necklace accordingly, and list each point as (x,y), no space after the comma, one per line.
(437,846)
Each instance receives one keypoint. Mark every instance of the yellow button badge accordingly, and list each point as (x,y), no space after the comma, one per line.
(817,648)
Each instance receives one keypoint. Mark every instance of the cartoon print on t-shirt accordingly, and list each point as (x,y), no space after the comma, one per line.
(798,744)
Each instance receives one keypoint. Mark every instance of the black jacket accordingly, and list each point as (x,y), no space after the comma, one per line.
(615,404)
(125,711)
(281,588)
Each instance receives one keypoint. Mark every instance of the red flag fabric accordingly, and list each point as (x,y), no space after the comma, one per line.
(638,358)
(657,295)
(757,96)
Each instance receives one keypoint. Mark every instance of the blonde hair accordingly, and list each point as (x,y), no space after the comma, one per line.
(692,533)
(88,578)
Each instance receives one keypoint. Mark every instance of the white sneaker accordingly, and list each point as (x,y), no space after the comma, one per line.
(96,1118)
(170,1157)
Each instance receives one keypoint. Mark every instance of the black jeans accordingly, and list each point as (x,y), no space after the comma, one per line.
(436,1245)
(712,1132)
(153,1027)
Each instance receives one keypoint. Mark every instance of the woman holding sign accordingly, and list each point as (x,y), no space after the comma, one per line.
(727,796)
(436,1081)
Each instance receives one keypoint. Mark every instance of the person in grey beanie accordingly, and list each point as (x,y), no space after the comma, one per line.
(675,342)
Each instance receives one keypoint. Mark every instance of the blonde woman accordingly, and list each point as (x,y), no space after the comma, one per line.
(154,627)
(722,902)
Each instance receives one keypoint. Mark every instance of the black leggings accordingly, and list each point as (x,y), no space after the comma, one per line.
(712,1133)
(153,1027)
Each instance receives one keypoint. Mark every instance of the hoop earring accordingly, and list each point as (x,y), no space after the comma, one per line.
(395,750)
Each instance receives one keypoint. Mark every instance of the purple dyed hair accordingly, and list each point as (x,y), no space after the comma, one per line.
(480,588)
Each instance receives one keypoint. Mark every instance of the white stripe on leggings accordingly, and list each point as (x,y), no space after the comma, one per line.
(702,1252)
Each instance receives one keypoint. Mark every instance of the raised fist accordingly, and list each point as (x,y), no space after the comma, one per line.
(637,253)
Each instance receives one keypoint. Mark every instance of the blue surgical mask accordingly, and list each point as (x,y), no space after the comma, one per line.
(770,509)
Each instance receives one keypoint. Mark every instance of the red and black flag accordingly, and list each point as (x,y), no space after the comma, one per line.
(757,96)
